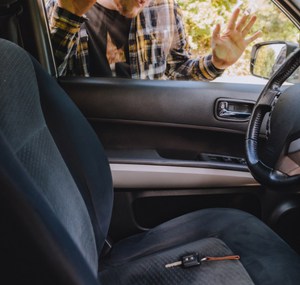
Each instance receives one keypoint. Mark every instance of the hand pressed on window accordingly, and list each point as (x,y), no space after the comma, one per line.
(229,46)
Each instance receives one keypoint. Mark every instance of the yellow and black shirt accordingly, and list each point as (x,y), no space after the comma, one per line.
(156,47)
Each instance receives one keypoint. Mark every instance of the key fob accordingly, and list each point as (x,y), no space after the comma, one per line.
(191,260)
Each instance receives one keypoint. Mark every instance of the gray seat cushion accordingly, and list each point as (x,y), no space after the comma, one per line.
(266,257)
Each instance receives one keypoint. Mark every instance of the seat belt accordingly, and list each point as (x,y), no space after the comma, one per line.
(108,244)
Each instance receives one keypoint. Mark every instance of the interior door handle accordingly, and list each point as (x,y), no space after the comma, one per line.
(224,113)
(230,109)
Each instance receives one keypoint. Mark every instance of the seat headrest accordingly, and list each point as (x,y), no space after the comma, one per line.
(7,3)
(10,7)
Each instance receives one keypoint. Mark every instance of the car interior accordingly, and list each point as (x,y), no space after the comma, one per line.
(118,181)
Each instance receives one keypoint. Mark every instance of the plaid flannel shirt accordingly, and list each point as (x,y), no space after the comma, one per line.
(158,47)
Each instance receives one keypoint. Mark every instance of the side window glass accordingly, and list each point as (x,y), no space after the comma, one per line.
(142,43)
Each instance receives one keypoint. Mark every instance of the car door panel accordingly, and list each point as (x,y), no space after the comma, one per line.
(176,120)
(158,102)
(165,145)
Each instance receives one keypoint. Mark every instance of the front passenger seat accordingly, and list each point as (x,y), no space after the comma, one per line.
(56,202)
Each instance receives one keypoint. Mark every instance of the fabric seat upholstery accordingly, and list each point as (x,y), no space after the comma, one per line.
(56,203)
(267,259)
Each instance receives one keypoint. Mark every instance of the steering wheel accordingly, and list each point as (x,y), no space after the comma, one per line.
(276,161)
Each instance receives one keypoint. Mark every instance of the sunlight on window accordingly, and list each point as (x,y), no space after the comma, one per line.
(202,16)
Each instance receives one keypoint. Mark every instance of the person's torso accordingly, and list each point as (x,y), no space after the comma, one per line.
(143,42)
(108,42)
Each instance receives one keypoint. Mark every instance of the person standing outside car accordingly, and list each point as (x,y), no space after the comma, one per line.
(140,39)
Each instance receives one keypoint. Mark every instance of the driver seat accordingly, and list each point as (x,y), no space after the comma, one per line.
(56,202)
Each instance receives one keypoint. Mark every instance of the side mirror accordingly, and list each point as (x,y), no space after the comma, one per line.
(267,57)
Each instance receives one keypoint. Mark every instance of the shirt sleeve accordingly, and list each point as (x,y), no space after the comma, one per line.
(180,65)
(65,37)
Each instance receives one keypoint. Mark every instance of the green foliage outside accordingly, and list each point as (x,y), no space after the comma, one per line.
(201,16)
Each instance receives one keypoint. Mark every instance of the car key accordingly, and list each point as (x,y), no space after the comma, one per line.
(193,259)
(186,261)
